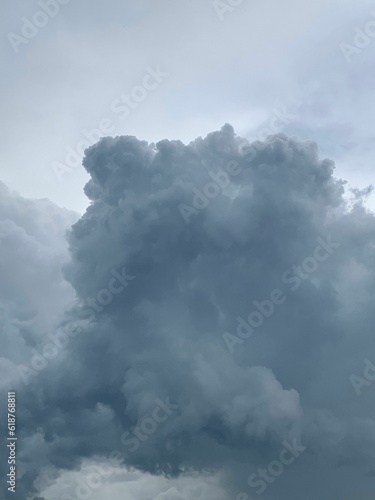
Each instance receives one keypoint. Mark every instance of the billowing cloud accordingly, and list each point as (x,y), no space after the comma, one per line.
(95,481)
(33,291)
(224,303)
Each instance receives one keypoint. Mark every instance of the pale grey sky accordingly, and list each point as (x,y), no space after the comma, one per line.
(235,65)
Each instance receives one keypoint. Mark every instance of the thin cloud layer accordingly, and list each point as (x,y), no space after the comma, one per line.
(248,310)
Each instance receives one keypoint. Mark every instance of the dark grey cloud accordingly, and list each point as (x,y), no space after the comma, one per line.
(161,338)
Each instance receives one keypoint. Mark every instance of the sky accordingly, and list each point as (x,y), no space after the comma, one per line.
(235,64)
(186,209)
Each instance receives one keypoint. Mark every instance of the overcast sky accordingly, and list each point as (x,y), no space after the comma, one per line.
(231,65)
(164,342)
